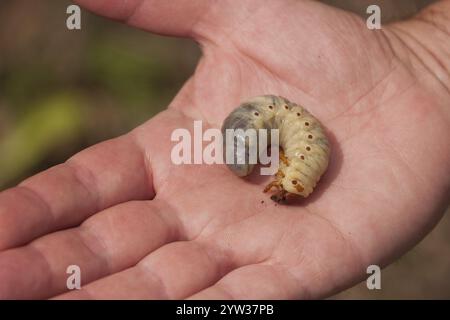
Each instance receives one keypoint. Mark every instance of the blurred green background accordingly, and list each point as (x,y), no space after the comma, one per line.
(61,91)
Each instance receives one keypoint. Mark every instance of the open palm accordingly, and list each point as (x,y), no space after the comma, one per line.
(151,229)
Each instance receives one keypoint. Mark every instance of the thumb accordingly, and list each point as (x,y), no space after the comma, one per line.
(171,18)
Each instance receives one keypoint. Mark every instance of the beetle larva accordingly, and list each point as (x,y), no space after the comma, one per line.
(304,147)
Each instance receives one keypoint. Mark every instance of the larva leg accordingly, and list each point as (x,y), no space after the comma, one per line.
(283,157)
(275,184)
(279,175)
(280,196)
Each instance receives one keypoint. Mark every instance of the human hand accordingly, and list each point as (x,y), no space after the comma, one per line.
(151,229)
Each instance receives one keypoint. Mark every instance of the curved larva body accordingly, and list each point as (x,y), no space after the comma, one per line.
(305,148)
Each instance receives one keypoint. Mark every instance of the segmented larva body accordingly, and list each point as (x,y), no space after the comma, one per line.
(304,147)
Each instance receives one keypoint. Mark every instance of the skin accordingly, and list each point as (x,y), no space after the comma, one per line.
(140,227)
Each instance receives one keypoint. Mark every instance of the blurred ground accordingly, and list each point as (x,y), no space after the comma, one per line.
(61,91)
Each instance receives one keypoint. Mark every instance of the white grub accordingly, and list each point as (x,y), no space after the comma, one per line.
(304,147)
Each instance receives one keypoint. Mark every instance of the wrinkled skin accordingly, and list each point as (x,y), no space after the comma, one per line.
(150,229)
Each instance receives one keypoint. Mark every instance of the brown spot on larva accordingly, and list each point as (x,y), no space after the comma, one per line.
(298,114)
(262,201)
(302,157)
(308,148)
(310,136)
(256,114)
(294,182)
(306,123)
(299,188)
(286,107)
(270,107)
